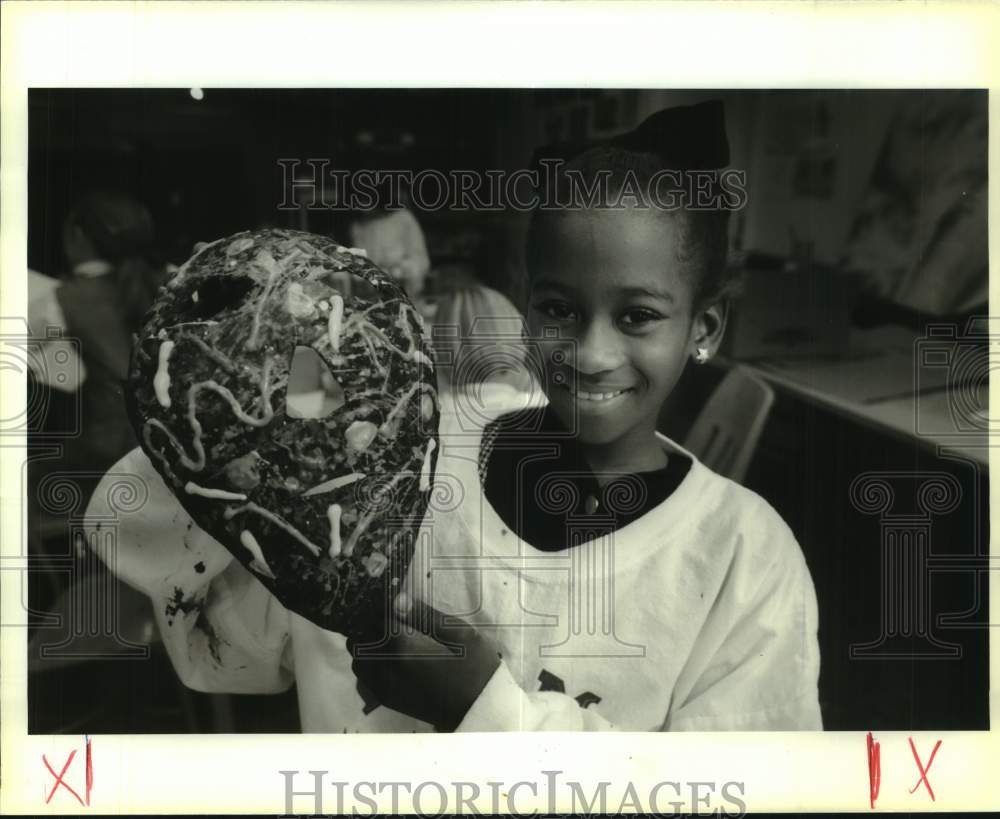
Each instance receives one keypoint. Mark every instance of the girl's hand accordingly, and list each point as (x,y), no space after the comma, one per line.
(431,667)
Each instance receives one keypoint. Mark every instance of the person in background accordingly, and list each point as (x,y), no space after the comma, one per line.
(108,243)
(395,242)
(478,341)
(107,239)
(55,376)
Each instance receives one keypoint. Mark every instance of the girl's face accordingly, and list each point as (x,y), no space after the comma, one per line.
(612,285)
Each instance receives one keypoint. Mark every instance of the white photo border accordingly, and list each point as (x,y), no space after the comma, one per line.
(667,45)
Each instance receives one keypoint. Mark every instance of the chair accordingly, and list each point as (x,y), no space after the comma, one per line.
(726,432)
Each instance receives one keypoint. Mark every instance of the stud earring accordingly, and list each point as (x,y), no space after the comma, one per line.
(702,355)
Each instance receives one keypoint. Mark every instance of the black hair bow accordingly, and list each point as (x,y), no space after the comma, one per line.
(687,137)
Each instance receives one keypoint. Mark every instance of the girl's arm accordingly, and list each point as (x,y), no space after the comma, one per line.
(445,672)
(755,665)
(223,630)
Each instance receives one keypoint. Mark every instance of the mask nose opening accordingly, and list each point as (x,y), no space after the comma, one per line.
(313,390)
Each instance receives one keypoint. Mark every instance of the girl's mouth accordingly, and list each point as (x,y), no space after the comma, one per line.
(596,398)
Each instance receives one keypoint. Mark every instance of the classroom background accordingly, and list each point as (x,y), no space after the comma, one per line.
(852,392)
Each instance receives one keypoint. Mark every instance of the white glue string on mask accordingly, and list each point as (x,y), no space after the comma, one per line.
(198,463)
(266,261)
(233,511)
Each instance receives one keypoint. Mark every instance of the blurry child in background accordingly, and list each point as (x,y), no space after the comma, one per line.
(108,242)
(395,242)
(478,340)
(111,281)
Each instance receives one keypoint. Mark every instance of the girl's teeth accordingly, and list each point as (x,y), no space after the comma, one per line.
(597,396)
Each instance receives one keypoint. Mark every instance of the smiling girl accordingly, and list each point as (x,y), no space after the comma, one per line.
(622,584)
(582,571)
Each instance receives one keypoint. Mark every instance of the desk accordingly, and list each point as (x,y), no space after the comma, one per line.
(880,383)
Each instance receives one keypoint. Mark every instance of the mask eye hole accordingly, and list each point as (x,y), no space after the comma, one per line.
(219,293)
(313,390)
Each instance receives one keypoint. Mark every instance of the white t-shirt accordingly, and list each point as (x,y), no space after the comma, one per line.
(700,615)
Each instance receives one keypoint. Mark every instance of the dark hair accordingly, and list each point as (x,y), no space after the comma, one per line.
(704,234)
(121,231)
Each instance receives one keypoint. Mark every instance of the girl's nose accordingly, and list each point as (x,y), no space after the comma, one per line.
(597,349)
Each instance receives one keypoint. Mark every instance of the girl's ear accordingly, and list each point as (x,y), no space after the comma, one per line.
(707,330)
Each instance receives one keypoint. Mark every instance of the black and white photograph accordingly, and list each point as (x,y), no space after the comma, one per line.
(471,411)
(637,397)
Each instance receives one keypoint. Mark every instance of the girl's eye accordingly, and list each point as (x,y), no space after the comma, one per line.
(560,311)
(639,317)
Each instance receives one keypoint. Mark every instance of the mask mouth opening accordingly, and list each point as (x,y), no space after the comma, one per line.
(217,294)
(313,390)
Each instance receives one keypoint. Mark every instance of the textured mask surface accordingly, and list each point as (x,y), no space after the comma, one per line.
(322,507)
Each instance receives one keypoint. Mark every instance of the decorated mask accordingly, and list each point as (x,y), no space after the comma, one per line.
(282,386)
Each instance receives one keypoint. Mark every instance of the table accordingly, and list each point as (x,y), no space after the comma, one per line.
(883,382)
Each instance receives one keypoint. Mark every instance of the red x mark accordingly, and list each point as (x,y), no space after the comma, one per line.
(59,777)
(923,770)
